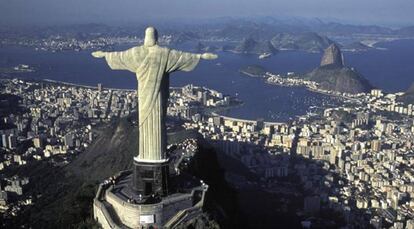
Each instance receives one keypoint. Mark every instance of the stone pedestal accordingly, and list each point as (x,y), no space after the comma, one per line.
(150,178)
(116,205)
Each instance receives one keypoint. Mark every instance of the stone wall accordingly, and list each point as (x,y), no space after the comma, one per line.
(129,213)
(171,208)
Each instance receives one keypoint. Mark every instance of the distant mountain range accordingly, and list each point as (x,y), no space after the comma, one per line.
(265,29)
(333,75)
(250,46)
(308,41)
(254,35)
(406,31)
(257,28)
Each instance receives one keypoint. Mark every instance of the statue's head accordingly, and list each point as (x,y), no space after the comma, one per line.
(151,37)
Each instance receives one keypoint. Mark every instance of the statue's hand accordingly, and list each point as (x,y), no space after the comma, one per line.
(98,54)
(209,56)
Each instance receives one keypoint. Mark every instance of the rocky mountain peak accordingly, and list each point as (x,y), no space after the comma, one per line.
(332,57)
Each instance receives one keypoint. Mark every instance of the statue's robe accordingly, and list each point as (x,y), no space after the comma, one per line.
(152,66)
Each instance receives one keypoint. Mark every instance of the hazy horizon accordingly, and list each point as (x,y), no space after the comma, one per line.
(53,12)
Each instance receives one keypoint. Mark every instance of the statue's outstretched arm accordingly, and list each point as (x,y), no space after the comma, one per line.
(208,56)
(185,61)
(129,59)
(99,54)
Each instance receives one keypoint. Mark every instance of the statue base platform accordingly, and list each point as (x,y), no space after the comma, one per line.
(150,178)
(118,205)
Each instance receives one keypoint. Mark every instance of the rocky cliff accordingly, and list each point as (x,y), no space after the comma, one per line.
(332,56)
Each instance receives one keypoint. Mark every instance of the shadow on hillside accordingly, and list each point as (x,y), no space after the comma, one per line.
(64,195)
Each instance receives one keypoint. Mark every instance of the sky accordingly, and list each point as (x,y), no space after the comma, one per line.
(28,12)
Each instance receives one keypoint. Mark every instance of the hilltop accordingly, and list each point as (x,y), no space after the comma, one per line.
(333,75)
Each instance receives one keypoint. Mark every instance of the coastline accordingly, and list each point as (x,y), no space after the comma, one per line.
(245,120)
(84,86)
(213,113)
(307,87)
(316,90)
(373,43)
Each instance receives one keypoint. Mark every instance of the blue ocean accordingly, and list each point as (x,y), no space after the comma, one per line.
(391,69)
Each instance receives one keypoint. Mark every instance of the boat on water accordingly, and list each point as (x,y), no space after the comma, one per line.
(264,55)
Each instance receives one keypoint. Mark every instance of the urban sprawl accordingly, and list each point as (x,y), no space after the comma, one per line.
(356,159)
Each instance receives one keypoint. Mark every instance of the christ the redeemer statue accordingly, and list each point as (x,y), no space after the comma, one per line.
(152,65)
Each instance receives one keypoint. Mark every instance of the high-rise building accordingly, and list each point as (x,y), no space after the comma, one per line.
(376,145)
(205,98)
(4,142)
(69,140)
(90,136)
(12,142)
(3,198)
(38,142)
(217,120)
